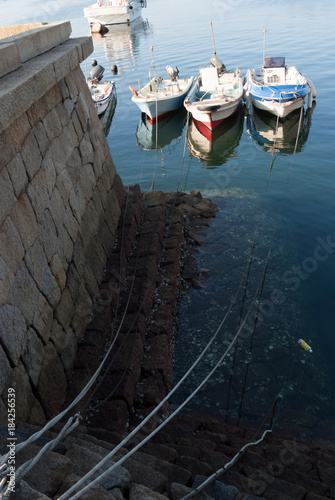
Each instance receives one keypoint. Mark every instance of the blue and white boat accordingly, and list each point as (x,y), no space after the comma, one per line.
(159,98)
(278,89)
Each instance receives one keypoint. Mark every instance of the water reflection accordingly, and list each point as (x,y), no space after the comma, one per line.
(213,148)
(284,137)
(122,41)
(161,134)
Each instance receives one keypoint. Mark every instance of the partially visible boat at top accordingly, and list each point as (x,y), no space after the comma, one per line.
(160,97)
(277,89)
(107,12)
(102,92)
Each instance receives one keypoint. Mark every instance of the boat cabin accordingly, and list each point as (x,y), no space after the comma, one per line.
(209,79)
(274,70)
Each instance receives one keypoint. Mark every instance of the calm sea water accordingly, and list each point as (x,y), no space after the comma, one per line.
(276,200)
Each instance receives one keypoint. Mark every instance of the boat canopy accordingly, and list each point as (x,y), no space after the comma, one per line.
(274,62)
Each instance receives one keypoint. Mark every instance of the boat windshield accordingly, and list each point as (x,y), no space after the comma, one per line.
(274,62)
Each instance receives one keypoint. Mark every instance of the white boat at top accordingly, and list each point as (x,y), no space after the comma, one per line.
(278,89)
(216,94)
(160,97)
(108,12)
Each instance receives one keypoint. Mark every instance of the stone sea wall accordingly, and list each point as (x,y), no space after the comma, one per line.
(60,202)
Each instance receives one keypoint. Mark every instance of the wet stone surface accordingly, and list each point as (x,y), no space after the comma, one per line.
(147,273)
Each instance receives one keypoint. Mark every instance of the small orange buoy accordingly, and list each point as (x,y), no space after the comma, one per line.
(134,91)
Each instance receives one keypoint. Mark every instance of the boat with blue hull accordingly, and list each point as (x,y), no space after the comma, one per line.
(278,89)
(159,98)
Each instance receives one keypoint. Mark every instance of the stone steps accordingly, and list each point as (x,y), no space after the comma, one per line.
(182,455)
(139,298)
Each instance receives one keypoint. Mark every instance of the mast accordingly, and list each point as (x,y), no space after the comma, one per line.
(210,22)
(264,31)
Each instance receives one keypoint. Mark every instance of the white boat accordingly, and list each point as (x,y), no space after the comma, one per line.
(160,97)
(102,92)
(107,12)
(277,89)
(216,95)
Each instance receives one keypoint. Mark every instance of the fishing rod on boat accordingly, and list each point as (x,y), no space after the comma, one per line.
(264,31)
(153,60)
(210,22)
(215,61)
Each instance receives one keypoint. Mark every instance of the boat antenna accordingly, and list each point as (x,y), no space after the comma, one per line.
(210,22)
(264,31)
(153,60)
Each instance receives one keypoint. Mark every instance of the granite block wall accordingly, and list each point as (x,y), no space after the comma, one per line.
(60,200)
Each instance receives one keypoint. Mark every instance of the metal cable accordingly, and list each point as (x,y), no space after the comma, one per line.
(120,445)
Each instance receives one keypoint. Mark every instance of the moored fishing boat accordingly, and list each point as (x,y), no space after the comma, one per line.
(102,92)
(278,89)
(109,12)
(216,95)
(159,97)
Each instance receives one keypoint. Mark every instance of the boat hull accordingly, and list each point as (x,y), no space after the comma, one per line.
(102,94)
(279,100)
(212,115)
(211,107)
(280,109)
(108,15)
(157,108)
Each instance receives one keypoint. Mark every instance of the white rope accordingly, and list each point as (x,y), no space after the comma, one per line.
(211,478)
(130,453)
(71,424)
(5,489)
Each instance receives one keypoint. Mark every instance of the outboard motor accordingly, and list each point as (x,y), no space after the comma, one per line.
(173,73)
(97,72)
(215,61)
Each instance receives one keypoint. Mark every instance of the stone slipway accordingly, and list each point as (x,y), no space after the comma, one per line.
(138,304)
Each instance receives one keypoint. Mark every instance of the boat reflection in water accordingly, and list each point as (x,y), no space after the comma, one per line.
(213,148)
(280,136)
(160,134)
(121,41)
